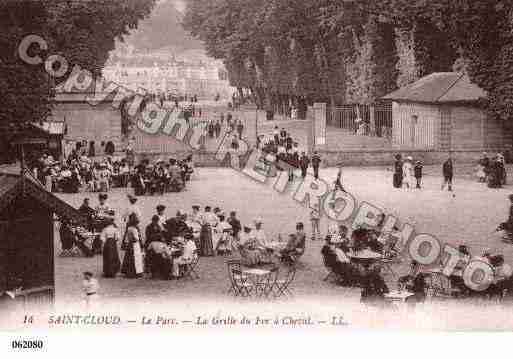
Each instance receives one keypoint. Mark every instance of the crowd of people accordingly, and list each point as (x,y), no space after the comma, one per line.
(284,151)
(83,173)
(233,125)
(168,245)
(492,171)
(340,256)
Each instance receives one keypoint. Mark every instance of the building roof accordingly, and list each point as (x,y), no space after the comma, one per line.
(14,185)
(52,127)
(439,87)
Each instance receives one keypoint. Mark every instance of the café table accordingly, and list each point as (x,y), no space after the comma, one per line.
(398,296)
(259,277)
(276,246)
(365,255)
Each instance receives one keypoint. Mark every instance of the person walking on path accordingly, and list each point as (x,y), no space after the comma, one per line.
(398,171)
(418,173)
(315,218)
(304,161)
(448,172)
(316,162)
(240,128)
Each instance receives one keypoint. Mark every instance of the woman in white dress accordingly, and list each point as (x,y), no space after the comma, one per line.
(224,229)
(132,245)
(408,178)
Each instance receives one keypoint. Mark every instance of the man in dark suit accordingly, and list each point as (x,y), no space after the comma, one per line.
(316,162)
(304,161)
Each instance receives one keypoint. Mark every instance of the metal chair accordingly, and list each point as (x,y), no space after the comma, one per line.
(268,283)
(240,284)
(281,286)
(439,286)
(234,264)
(190,268)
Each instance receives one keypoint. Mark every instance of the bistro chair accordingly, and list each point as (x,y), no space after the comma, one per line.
(190,268)
(234,264)
(439,285)
(240,284)
(268,282)
(281,286)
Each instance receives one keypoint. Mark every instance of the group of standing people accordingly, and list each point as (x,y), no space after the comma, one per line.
(233,125)
(408,173)
(492,170)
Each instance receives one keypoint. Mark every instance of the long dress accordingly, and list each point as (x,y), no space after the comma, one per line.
(407,174)
(249,255)
(111,262)
(206,245)
(132,261)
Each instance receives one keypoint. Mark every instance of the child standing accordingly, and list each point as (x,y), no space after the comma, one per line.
(418,173)
(315,218)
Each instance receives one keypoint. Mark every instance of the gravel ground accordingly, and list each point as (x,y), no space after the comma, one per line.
(467,218)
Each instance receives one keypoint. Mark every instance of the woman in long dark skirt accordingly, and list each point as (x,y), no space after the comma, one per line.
(111,262)
(132,244)
(206,244)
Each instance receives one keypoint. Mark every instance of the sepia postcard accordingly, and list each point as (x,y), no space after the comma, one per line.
(337,165)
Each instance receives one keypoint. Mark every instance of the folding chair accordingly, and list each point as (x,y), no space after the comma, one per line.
(281,286)
(190,268)
(439,286)
(241,286)
(270,281)
(233,264)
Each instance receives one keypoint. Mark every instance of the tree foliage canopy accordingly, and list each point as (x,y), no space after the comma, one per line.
(356,50)
(82,31)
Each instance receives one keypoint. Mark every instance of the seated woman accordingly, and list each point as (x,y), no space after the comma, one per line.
(360,239)
(189,255)
(374,288)
(456,278)
(295,247)
(337,260)
(248,247)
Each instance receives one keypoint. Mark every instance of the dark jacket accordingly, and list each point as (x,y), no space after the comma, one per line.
(418,170)
(316,160)
(447,169)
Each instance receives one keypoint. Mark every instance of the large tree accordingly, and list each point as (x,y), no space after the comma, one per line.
(82,31)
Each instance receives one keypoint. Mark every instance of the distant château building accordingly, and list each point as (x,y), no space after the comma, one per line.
(164,73)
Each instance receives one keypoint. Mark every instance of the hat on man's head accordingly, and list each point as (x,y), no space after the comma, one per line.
(196,207)
(161,207)
(103,196)
(131,197)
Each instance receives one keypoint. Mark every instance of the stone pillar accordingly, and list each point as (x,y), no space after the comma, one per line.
(319,125)
(249,116)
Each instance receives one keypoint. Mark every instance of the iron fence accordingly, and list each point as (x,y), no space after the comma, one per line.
(366,120)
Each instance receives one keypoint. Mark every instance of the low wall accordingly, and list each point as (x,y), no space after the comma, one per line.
(380,158)
(335,158)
